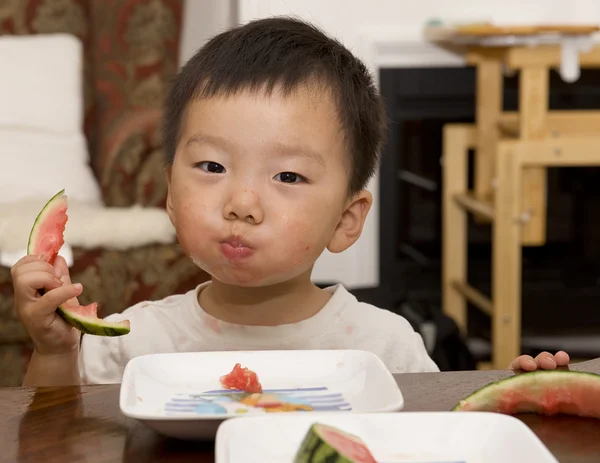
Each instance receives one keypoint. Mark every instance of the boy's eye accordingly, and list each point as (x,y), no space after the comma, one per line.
(210,166)
(289,177)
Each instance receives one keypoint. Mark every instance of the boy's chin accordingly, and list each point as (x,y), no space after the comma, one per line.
(249,276)
(253,279)
(248,281)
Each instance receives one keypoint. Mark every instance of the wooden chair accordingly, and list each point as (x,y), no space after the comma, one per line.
(512,152)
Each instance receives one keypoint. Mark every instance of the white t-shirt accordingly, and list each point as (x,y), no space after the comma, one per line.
(178,324)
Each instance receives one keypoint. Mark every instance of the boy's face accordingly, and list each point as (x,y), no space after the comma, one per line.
(259,186)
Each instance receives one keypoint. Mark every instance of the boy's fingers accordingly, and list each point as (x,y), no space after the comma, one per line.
(562,358)
(523,362)
(546,361)
(28,259)
(52,299)
(30,283)
(61,265)
(36,265)
(24,260)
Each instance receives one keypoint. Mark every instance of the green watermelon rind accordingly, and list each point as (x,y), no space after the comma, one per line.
(486,394)
(43,213)
(315,449)
(96,326)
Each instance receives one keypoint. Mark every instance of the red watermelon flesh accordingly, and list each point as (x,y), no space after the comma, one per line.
(46,239)
(325,443)
(546,392)
(241,379)
(347,445)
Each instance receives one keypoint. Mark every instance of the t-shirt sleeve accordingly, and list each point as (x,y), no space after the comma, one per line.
(391,337)
(418,360)
(100,358)
(405,350)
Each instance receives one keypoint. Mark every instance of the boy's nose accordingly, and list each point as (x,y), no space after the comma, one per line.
(244,205)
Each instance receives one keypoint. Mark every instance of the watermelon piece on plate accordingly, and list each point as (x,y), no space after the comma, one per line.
(241,379)
(45,239)
(545,392)
(326,444)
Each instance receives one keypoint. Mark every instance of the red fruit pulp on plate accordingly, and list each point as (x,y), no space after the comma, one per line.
(241,379)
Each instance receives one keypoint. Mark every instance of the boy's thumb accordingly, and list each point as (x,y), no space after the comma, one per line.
(61,264)
(52,299)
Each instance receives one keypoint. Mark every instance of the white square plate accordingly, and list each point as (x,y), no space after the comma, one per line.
(423,437)
(180,394)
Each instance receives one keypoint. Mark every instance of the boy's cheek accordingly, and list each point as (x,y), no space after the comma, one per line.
(194,219)
(306,251)
(293,243)
(308,235)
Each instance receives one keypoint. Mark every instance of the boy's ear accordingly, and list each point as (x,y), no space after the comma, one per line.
(169,205)
(351,223)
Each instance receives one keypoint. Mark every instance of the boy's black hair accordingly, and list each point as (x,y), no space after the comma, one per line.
(287,52)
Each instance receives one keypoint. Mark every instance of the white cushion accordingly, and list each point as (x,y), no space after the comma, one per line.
(41,82)
(42,145)
(43,150)
(38,165)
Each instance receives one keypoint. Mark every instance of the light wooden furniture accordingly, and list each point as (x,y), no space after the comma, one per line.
(512,152)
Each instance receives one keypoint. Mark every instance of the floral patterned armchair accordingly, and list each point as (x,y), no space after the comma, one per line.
(131,53)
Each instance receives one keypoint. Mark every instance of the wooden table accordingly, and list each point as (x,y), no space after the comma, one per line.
(72,424)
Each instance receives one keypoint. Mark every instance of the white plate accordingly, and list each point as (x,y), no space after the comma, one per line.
(168,392)
(423,437)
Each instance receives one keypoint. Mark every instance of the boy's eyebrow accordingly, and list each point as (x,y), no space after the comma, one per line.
(281,148)
(209,139)
(296,150)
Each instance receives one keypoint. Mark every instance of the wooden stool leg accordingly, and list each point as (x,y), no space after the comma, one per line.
(456,143)
(507,259)
(533,109)
(489,91)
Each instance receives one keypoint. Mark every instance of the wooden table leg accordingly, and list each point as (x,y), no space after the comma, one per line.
(507,259)
(454,220)
(533,108)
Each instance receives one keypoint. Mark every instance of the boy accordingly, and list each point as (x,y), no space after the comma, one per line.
(272,131)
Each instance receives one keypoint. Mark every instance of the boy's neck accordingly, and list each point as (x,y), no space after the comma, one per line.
(288,302)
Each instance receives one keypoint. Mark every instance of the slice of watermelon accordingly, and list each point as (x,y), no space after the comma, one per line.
(241,379)
(47,234)
(546,392)
(324,443)
(46,239)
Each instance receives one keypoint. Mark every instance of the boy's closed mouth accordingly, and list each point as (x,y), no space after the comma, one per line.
(234,248)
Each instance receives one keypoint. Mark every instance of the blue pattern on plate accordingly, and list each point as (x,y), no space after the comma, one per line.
(225,402)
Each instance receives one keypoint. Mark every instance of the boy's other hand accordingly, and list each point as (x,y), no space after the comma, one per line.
(544,361)
(49,332)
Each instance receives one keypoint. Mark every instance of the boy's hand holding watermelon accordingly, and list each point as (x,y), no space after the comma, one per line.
(56,342)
